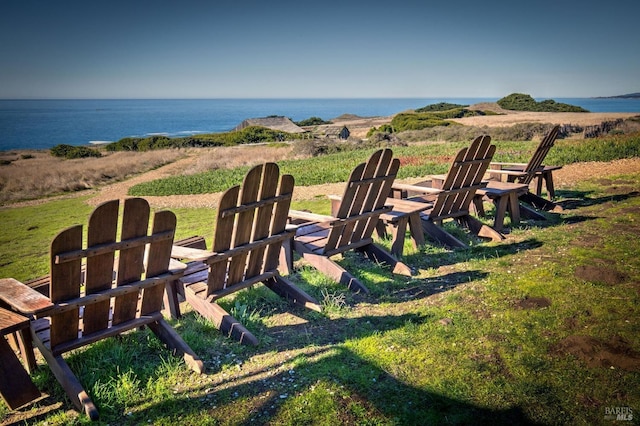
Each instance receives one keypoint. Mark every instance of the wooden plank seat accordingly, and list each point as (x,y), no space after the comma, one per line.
(525,173)
(251,226)
(319,237)
(449,196)
(81,309)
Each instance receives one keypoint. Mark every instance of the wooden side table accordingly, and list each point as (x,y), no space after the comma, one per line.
(546,175)
(404,213)
(16,386)
(504,196)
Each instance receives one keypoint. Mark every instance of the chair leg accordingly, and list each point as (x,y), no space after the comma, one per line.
(170,301)
(548,178)
(514,209)
(482,230)
(286,257)
(440,235)
(539,179)
(398,231)
(16,386)
(478,205)
(223,321)
(334,271)
(380,255)
(501,204)
(415,229)
(539,202)
(529,213)
(381,229)
(70,383)
(284,288)
(168,335)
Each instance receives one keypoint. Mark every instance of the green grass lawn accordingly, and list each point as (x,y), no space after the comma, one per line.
(539,329)
(416,160)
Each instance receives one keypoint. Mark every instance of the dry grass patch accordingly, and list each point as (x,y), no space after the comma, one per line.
(236,156)
(31,175)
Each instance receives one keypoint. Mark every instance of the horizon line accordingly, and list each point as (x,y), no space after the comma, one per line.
(287,98)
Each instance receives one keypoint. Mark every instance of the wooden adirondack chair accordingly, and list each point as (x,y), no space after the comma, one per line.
(250,229)
(320,237)
(451,194)
(94,295)
(525,173)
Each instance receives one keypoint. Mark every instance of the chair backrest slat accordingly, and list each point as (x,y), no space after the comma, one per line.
(244,223)
(66,279)
(263,217)
(94,316)
(135,223)
(539,155)
(103,225)
(366,191)
(463,179)
(158,253)
(280,220)
(249,215)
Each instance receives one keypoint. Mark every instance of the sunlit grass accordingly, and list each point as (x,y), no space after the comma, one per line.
(452,344)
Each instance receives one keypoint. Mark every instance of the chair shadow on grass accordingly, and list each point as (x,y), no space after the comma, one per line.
(422,259)
(317,346)
(318,356)
(572,199)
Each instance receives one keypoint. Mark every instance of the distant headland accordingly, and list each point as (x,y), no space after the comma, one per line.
(627,96)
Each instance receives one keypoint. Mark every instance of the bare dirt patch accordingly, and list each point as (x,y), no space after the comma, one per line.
(571,174)
(600,273)
(534,303)
(616,353)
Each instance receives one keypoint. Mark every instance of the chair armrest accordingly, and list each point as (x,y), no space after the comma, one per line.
(496,163)
(180,252)
(416,188)
(176,267)
(310,217)
(22,297)
(506,172)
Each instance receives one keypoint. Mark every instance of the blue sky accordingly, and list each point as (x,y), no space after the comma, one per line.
(266,49)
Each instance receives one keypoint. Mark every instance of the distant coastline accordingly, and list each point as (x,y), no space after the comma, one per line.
(627,96)
(42,124)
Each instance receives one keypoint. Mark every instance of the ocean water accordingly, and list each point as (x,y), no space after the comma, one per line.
(42,124)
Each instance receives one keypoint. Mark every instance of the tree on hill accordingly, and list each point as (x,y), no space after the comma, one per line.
(442,106)
(524,102)
(312,121)
(70,151)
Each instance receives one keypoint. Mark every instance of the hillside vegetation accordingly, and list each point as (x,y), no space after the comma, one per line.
(433,115)
(251,134)
(524,102)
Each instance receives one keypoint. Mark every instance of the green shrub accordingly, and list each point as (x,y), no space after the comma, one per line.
(70,151)
(312,121)
(524,102)
(125,144)
(251,134)
(416,121)
(442,106)
(384,128)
